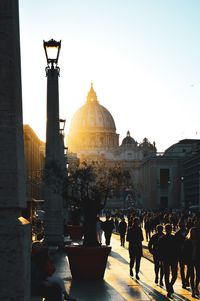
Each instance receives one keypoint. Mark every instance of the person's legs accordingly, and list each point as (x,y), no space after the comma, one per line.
(166,275)
(174,270)
(197,266)
(161,272)
(156,267)
(122,239)
(187,277)
(132,261)
(182,272)
(192,285)
(108,237)
(146,233)
(137,266)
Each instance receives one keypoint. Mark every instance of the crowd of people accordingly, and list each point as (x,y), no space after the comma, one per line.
(173,239)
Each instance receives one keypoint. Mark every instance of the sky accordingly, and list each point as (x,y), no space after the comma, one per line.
(143,57)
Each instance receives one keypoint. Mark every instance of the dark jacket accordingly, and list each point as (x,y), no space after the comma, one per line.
(153,244)
(191,251)
(122,227)
(180,238)
(167,248)
(108,226)
(135,238)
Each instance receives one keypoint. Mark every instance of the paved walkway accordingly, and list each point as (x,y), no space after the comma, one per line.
(117,284)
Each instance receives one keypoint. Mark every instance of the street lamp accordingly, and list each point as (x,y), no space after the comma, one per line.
(54,157)
(182,193)
(52,51)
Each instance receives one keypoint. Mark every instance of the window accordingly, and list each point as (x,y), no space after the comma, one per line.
(164,178)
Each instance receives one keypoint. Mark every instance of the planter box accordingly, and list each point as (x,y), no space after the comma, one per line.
(75,231)
(87,263)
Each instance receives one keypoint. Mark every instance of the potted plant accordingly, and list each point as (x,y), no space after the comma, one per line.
(88,261)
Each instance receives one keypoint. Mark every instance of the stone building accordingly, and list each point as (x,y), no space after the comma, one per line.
(34,150)
(172,180)
(93,137)
(191,177)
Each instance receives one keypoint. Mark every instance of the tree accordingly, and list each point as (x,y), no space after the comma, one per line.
(90,185)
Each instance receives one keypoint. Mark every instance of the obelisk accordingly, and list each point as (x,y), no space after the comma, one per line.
(14,230)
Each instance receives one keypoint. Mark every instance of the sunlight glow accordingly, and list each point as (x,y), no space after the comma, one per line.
(143,57)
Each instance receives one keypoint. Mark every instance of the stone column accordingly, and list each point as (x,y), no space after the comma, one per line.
(15,231)
(54,171)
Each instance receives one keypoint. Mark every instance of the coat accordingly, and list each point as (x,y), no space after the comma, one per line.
(135,238)
(167,248)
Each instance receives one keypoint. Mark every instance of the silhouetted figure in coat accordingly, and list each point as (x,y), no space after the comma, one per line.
(108,227)
(191,251)
(153,249)
(180,236)
(167,250)
(135,238)
(122,231)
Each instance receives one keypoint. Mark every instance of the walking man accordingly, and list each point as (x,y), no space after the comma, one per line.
(135,238)
(122,231)
(167,250)
(180,236)
(153,249)
(108,227)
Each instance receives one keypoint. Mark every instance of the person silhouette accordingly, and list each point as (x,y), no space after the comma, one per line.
(168,253)
(153,249)
(135,238)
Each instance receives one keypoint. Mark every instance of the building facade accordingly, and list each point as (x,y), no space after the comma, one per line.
(34,150)
(92,136)
(172,180)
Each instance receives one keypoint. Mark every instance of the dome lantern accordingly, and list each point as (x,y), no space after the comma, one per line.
(92,96)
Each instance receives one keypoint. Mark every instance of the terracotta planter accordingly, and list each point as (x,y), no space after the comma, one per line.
(75,231)
(87,262)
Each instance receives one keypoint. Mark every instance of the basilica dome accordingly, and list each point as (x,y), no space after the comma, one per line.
(92,116)
(92,127)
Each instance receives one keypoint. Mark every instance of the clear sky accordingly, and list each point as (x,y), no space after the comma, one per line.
(143,57)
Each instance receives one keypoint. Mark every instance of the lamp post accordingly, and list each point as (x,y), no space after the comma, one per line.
(182,193)
(54,163)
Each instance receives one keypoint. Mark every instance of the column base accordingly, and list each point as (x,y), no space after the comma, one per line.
(15,247)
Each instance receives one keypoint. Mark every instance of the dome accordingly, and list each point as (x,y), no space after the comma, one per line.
(128,139)
(92,127)
(92,116)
